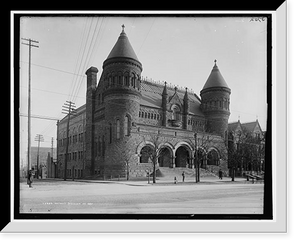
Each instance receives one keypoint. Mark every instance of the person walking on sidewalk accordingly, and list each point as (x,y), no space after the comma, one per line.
(30,178)
(183,176)
(220,174)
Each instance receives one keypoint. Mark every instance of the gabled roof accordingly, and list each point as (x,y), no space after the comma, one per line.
(215,79)
(152,96)
(122,48)
(233,125)
(250,126)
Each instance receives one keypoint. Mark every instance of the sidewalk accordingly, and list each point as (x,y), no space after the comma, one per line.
(164,181)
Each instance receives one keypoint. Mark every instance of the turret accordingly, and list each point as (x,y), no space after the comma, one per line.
(215,100)
(121,91)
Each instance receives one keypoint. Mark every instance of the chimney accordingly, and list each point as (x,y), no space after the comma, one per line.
(91,74)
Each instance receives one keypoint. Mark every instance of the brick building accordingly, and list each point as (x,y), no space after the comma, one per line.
(246,142)
(110,133)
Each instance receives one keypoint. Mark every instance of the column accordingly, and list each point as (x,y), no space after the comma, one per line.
(173,162)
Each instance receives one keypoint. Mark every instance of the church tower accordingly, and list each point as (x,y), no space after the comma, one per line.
(215,100)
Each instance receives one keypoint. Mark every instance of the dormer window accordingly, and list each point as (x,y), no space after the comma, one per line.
(175,112)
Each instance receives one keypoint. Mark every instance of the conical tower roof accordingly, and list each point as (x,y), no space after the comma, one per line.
(122,48)
(215,79)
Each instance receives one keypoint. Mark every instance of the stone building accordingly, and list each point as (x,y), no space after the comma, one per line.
(246,143)
(43,155)
(124,113)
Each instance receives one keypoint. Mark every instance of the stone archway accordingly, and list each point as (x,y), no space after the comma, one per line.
(165,157)
(145,153)
(182,157)
(213,157)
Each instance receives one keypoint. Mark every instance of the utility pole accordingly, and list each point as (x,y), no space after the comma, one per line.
(51,160)
(69,109)
(30,44)
(38,138)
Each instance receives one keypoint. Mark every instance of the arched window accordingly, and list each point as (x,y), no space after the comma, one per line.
(96,147)
(213,158)
(103,146)
(126,79)
(118,128)
(126,126)
(110,133)
(99,146)
(175,112)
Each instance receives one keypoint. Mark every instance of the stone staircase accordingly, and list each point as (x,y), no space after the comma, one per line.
(170,173)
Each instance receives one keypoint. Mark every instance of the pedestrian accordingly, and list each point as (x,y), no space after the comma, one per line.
(183,176)
(175,180)
(220,174)
(30,178)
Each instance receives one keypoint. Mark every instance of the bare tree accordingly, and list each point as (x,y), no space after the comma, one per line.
(125,155)
(203,141)
(245,152)
(153,150)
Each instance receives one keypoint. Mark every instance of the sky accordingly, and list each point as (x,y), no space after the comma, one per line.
(178,50)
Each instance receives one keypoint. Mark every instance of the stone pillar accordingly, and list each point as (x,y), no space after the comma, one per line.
(173,162)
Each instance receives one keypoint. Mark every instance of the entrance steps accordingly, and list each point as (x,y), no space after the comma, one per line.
(170,173)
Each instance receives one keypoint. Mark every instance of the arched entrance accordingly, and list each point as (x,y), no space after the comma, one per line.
(182,157)
(165,157)
(213,158)
(145,154)
(201,157)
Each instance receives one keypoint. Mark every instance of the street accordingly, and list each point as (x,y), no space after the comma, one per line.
(56,196)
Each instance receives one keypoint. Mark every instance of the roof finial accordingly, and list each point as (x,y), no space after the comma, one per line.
(123,26)
(215,62)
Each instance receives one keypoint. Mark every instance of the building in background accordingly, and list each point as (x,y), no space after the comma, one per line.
(246,147)
(43,155)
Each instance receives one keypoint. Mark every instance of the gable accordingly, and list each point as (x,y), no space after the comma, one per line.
(175,100)
(152,96)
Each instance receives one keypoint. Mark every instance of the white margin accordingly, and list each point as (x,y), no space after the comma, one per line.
(203,226)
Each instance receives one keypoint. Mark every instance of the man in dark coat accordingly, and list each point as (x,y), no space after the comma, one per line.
(220,174)
(30,178)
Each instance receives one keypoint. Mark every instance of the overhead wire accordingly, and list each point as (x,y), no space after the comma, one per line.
(89,54)
(74,83)
(146,36)
(78,55)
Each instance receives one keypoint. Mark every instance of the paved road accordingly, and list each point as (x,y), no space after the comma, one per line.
(138,198)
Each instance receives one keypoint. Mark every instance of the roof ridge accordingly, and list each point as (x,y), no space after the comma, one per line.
(169,85)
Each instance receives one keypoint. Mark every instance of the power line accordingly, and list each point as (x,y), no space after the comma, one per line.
(88,57)
(83,55)
(54,69)
(79,53)
(146,36)
(40,117)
